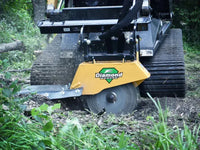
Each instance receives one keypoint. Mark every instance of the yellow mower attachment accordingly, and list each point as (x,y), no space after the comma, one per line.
(94,77)
(110,85)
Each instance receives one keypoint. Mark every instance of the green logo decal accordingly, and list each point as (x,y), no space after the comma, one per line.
(109,74)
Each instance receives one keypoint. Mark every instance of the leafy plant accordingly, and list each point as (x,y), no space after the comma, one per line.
(44,123)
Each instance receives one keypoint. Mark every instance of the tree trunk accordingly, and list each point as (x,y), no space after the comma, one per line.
(39,9)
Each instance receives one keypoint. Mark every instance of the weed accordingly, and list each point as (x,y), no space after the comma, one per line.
(161,136)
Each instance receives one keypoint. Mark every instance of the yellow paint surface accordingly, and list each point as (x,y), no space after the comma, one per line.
(52,2)
(87,75)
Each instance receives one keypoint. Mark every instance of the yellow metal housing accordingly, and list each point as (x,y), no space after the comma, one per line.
(97,76)
(52,3)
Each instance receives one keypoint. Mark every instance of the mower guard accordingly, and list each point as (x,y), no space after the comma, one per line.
(52,91)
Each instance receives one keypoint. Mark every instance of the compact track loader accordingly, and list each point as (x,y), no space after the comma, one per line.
(105,49)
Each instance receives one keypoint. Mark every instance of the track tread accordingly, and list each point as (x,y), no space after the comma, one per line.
(167,69)
(50,69)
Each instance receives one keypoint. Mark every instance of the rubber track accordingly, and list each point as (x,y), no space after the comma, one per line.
(50,69)
(167,69)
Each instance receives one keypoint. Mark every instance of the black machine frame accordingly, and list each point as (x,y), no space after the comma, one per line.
(99,19)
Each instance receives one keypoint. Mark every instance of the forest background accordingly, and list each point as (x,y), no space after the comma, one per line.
(17,131)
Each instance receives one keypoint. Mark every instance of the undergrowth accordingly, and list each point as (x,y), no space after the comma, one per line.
(162,136)
(192,64)
(40,131)
(16,24)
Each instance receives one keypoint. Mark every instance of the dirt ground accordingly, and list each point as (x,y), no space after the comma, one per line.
(180,111)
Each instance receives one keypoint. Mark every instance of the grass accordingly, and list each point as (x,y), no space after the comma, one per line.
(162,136)
(40,131)
(192,59)
(16,24)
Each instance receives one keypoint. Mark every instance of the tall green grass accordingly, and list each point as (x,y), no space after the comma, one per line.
(162,136)
(40,131)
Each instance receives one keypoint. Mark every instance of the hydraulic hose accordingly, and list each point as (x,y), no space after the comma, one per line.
(125,18)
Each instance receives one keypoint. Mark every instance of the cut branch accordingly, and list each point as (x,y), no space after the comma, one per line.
(23,70)
(16,45)
(8,81)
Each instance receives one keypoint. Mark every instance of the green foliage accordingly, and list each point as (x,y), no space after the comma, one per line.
(7,90)
(12,125)
(17,133)
(93,137)
(40,132)
(16,24)
(160,136)
(188,19)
